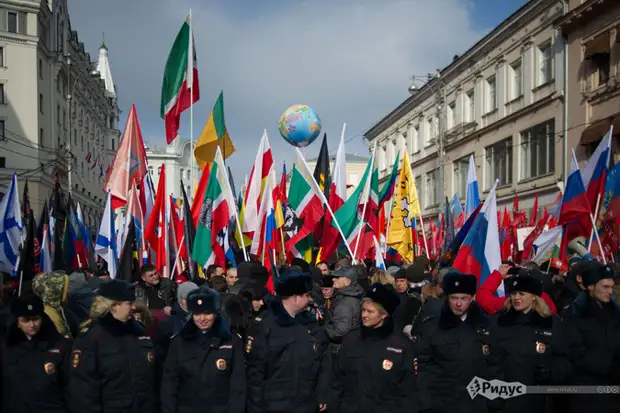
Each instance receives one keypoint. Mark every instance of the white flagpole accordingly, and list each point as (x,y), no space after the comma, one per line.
(234,207)
(191,101)
(367,196)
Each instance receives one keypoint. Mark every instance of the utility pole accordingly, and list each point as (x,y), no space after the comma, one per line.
(68,153)
(441,116)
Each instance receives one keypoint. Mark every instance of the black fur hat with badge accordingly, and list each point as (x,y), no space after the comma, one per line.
(595,272)
(117,290)
(203,301)
(384,295)
(459,283)
(527,281)
(293,282)
(27,306)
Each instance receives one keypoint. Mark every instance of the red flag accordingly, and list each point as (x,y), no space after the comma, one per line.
(534,216)
(155,232)
(200,193)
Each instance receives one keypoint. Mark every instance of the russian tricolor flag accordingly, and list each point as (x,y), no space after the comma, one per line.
(575,203)
(472,196)
(594,173)
(480,252)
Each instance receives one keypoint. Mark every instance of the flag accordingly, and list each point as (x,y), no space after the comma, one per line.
(388,188)
(575,204)
(128,264)
(156,232)
(29,260)
(262,165)
(472,196)
(105,246)
(180,87)
(265,237)
(595,171)
(379,262)
(199,196)
(214,135)
(456,207)
(43,234)
(534,215)
(448,223)
(321,170)
(480,253)
(405,208)
(547,245)
(129,162)
(216,212)
(190,234)
(134,213)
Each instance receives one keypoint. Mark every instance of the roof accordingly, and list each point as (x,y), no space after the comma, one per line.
(103,67)
(349,157)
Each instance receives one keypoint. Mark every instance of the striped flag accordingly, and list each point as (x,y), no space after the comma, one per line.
(105,246)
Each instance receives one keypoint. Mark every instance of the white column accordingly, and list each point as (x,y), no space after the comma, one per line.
(529,72)
(500,88)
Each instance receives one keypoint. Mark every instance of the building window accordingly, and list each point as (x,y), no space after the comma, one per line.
(41,102)
(113,145)
(428,136)
(418,186)
(2,56)
(598,53)
(382,155)
(41,138)
(151,170)
(498,163)
(545,64)
(58,115)
(415,140)
(451,115)
(64,118)
(40,69)
(159,171)
(82,142)
(538,150)
(2,136)
(2,162)
(189,174)
(469,106)
(432,195)
(516,84)
(11,21)
(2,96)
(461,168)
(492,94)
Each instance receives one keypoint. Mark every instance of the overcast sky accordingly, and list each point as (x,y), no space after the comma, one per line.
(350,60)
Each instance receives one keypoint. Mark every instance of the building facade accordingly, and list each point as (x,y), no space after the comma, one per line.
(501,101)
(355,166)
(592,32)
(57,106)
(178,159)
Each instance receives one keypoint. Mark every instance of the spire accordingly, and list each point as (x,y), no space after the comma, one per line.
(103,67)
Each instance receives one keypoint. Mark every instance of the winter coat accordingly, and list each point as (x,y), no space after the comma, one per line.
(594,339)
(204,373)
(164,291)
(373,372)
(451,353)
(288,365)
(346,310)
(168,329)
(534,352)
(77,311)
(35,373)
(113,369)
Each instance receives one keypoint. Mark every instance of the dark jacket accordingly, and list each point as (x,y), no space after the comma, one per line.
(113,369)
(594,339)
(169,328)
(204,372)
(346,311)
(373,372)
(155,297)
(408,311)
(35,373)
(534,352)
(288,365)
(451,353)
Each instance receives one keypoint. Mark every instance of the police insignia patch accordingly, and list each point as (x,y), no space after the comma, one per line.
(150,356)
(220,364)
(486,350)
(248,345)
(540,347)
(387,364)
(314,347)
(75,358)
(49,368)
(415,366)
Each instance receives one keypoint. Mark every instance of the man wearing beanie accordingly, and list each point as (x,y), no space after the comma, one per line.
(173,324)
(453,348)
(288,364)
(593,323)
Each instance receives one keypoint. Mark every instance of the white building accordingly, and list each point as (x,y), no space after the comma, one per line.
(178,159)
(56,106)
(503,104)
(355,166)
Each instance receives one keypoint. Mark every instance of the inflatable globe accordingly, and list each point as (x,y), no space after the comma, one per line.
(300,125)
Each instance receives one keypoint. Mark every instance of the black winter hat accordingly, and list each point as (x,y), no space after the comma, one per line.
(596,272)
(459,283)
(27,306)
(293,282)
(416,272)
(203,301)
(527,281)
(385,295)
(117,290)
(327,281)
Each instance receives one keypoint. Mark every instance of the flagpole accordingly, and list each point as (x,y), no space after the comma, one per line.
(596,212)
(368,183)
(191,99)
(329,209)
(387,227)
(424,237)
(245,253)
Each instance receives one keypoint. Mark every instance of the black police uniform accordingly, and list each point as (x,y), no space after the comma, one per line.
(35,372)
(204,372)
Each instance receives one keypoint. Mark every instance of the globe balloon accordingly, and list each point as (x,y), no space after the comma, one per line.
(300,125)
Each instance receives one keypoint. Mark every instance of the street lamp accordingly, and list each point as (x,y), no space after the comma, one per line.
(435,83)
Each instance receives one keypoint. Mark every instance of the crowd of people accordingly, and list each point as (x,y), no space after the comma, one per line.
(340,338)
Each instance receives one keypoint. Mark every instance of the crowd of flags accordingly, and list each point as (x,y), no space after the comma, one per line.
(310,218)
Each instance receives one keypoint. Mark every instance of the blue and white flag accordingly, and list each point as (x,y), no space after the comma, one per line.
(83,228)
(45,259)
(472,196)
(11,228)
(379,262)
(105,247)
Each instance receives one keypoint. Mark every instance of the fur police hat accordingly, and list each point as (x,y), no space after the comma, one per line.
(117,290)
(595,272)
(385,295)
(293,282)
(203,301)
(459,283)
(527,281)
(27,306)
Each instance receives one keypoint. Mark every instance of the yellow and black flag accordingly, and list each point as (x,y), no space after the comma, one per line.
(321,170)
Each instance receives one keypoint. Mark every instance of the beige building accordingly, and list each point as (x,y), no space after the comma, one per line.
(178,159)
(355,166)
(57,105)
(503,104)
(591,29)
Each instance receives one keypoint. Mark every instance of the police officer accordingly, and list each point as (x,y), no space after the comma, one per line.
(453,349)
(205,368)
(531,342)
(35,361)
(113,360)
(287,361)
(374,369)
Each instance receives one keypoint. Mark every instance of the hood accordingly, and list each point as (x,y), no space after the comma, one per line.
(52,288)
(354,290)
